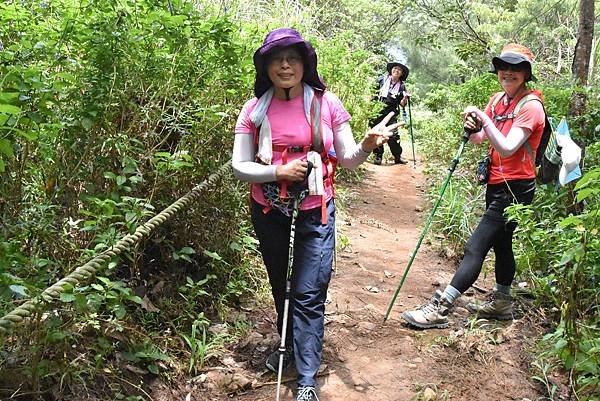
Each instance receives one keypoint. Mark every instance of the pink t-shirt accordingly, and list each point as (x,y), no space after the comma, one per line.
(290,128)
(519,165)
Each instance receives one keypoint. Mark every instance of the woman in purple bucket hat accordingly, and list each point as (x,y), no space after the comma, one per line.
(292,123)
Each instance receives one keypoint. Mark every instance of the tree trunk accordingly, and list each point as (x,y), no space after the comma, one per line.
(583,48)
(581,61)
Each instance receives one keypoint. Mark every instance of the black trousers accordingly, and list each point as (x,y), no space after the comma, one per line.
(493,231)
(393,142)
(395,148)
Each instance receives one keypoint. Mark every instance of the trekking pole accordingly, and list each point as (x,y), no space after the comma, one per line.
(451,169)
(410,129)
(298,195)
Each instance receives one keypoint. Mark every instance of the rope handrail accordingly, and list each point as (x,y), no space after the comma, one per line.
(84,272)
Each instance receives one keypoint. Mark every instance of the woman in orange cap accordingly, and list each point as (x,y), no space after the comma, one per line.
(512,122)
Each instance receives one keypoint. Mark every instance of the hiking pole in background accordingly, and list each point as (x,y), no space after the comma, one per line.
(464,140)
(410,129)
(298,194)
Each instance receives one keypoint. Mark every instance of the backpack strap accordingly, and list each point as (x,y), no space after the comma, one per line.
(319,147)
(315,123)
(497,97)
(525,99)
(514,113)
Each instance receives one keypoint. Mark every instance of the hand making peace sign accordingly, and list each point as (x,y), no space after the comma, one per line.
(379,134)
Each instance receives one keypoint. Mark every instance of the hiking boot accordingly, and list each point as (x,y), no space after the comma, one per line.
(378,160)
(498,307)
(272,362)
(307,393)
(431,315)
(400,161)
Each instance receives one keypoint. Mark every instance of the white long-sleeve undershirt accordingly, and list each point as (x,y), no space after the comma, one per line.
(349,154)
(505,145)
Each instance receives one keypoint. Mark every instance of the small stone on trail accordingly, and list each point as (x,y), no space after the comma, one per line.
(372,289)
(522,284)
(412,365)
(367,326)
(409,296)
(387,274)
(229,361)
(251,340)
(359,387)
(418,208)
(429,395)
(217,328)
(417,360)
(227,380)
(436,283)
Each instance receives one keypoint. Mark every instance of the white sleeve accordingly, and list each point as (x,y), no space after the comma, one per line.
(349,153)
(243,164)
(506,145)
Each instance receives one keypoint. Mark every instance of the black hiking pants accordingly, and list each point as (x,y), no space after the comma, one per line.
(493,231)
(393,142)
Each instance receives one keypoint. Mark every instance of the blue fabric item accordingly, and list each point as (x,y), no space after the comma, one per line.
(567,173)
(313,260)
(451,293)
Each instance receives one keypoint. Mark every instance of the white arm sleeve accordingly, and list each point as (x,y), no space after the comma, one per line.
(505,145)
(477,137)
(349,153)
(243,164)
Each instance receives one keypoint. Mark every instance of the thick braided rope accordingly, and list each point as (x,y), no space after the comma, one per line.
(86,271)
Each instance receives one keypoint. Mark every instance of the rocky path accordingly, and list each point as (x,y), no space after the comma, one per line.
(366,359)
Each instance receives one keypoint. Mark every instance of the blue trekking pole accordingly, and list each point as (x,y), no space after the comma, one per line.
(410,129)
(451,169)
(298,194)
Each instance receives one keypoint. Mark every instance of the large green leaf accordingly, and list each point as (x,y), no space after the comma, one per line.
(6,147)
(9,109)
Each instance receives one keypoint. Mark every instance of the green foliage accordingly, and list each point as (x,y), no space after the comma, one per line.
(453,41)
(109,111)
(200,349)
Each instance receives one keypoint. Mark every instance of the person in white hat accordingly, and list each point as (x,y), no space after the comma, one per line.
(392,93)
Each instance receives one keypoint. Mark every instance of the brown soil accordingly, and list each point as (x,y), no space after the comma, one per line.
(367,359)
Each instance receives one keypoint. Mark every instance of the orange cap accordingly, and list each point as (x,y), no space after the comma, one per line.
(514,53)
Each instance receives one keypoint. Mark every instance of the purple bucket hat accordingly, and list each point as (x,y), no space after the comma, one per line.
(278,39)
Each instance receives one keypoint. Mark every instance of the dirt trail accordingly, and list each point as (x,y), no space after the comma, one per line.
(365,359)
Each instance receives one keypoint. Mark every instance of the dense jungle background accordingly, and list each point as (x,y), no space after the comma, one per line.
(110,110)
